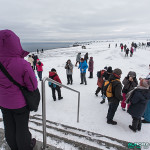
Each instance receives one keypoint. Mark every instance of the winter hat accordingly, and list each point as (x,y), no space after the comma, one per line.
(53,70)
(105,67)
(38,60)
(109,69)
(144,83)
(82,59)
(132,74)
(117,71)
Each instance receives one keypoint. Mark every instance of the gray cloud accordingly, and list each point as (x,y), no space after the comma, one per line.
(72,20)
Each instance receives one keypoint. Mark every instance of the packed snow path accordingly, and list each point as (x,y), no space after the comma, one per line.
(92,113)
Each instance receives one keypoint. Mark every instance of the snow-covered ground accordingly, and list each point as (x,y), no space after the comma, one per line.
(92,113)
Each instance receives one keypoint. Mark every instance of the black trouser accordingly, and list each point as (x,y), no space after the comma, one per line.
(83,78)
(58,91)
(136,123)
(112,109)
(16,128)
(40,75)
(69,78)
(34,66)
(91,75)
(98,90)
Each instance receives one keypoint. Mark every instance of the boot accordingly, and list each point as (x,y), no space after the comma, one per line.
(144,121)
(60,98)
(132,128)
(103,101)
(33,143)
(96,94)
(123,109)
(112,122)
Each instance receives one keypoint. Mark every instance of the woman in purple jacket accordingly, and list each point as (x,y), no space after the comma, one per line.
(91,64)
(12,102)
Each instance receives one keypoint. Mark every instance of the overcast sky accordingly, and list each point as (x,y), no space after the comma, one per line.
(75,20)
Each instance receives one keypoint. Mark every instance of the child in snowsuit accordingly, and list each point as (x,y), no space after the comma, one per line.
(129,82)
(138,100)
(100,80)
(39,66)
(90,69)
(105,76)
(53,75)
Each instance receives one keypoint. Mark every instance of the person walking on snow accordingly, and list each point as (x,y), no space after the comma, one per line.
(100,80)
(39,66)
(90,69)
(116,98)
(12,103)
(83,66)
(35,57)
(122,48)
(129,82)
(146,115)
(53,75)
(78,59)
(131,52)
(86,57)
(30,60)
(138,100)
(69,71)
(105,76)
(126,52)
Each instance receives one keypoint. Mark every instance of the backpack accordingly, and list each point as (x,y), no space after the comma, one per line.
(52,85)
(107,89)
(100,73)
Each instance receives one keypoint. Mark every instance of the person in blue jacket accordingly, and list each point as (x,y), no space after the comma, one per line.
(83,66)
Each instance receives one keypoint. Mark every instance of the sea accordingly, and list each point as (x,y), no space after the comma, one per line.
(32,47)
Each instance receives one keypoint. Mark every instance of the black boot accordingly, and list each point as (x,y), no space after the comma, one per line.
(112,122)
(103,101)
(132,128)
(144,121)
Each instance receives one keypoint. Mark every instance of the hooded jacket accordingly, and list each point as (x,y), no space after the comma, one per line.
(129,85)
(83,66)
(12,57)
(91,63)
(116,89)
(138,99)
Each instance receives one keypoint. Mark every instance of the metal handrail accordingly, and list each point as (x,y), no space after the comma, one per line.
(44,106)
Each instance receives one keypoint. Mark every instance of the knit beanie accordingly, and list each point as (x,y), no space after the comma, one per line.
(109,69)
(145,83)
(53,70)
(117,71)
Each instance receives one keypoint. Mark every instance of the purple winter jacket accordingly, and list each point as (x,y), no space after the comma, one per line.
(12,57)
(91,64)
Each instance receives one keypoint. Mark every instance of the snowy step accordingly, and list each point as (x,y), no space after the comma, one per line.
(4,146)
(71,135)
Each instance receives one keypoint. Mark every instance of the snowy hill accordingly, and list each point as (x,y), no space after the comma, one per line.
(92,113)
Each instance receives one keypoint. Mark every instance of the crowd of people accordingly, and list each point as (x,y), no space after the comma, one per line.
(13,105)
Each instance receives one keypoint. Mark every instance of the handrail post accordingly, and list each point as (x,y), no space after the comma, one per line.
(78,107)
(44,114)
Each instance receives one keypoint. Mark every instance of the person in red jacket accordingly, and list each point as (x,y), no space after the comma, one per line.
(39,66)
(53,75)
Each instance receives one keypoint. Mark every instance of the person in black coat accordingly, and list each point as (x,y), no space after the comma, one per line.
(138,99)
(86,57)
(129,82)
(117,97)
